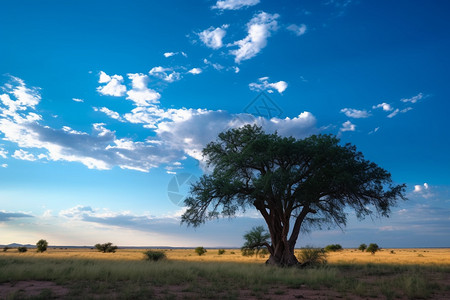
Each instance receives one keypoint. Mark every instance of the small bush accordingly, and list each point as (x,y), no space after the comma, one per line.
(362,247)
(154,255)
(312,257)
(22,249)
(6,248)
(247,251)
(41,246)
(200,251)
(232,252)
(333,248)
(107,247)
(373,248)
(221,251)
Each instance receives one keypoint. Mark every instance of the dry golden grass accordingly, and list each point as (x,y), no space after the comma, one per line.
(385,256)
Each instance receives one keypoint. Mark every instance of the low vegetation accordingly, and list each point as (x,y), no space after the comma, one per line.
(200,251)
(221,251)
(154,255)
(106,248)
(22,249)
(333,248)
(312,257)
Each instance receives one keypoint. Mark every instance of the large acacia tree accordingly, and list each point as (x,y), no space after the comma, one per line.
(294,184)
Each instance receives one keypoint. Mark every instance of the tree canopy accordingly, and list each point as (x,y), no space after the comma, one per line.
(294,183)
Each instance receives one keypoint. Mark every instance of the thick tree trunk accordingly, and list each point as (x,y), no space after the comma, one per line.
(283,256)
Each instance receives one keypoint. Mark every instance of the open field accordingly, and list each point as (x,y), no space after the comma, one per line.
(351,274)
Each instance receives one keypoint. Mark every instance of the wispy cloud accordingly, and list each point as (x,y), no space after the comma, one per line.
(355,113)
(265,85)
(234,4)
(413,99)
(77,100)
(166,74)
(9,216)
(259,29)
(298,30)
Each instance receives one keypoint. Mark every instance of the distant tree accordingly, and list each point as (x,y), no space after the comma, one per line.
(6,248)
(294,184)
(333,248)
(107,247)
(41,246)
(200,251)
(154,255)
(373,248)
(255,240)
(22,249)
(221,251)
(362,247)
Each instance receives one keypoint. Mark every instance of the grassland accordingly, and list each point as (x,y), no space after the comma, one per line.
(88,274)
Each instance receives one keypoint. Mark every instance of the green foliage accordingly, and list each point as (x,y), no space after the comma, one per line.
(221,251)
(310,256)
(106,247)
(200,251)
(333,248)
(373,248)
(22,249)
(256,240)
(312,182)
(362,247)
(154,255)
(41,246)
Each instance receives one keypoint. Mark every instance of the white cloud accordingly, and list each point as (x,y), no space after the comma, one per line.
(195,71)
(355,113)
(109,113)
(397,111)
(169,54)
(4,165)
(140,94)
(3,153)
(413,99)
(212,37)
(166,74)
(347,126)
(384,106)
(23,155)
(234,4)
(421,188)
(259,29)
(298,30)
(214,65)
(77,100)
(375,130)
(264,85)
(114,86)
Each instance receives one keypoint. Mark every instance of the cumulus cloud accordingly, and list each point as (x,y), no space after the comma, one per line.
(113,87)
(385,106)
(259,29)
(355,113)
(140,94)
(195,71)
(421,188)
(347,126)
(169,54)
(265,85)
(8,216)
(234,4)
(166,74)
(3,153)
(23,155)
(297,30)
(212,37)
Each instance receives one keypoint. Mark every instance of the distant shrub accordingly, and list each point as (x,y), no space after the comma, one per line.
(373,248)
(247,252)
(362,247)
(41,246)
(232,252)
(392,252)
(154,255)
(221,251)
(22,249)
(6,248)
(200,251)
(333,248)
(311,257)
(107,247)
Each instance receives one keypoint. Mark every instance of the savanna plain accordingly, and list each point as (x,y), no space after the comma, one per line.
(67,273)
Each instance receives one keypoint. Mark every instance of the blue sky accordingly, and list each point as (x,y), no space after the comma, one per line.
(106,105)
